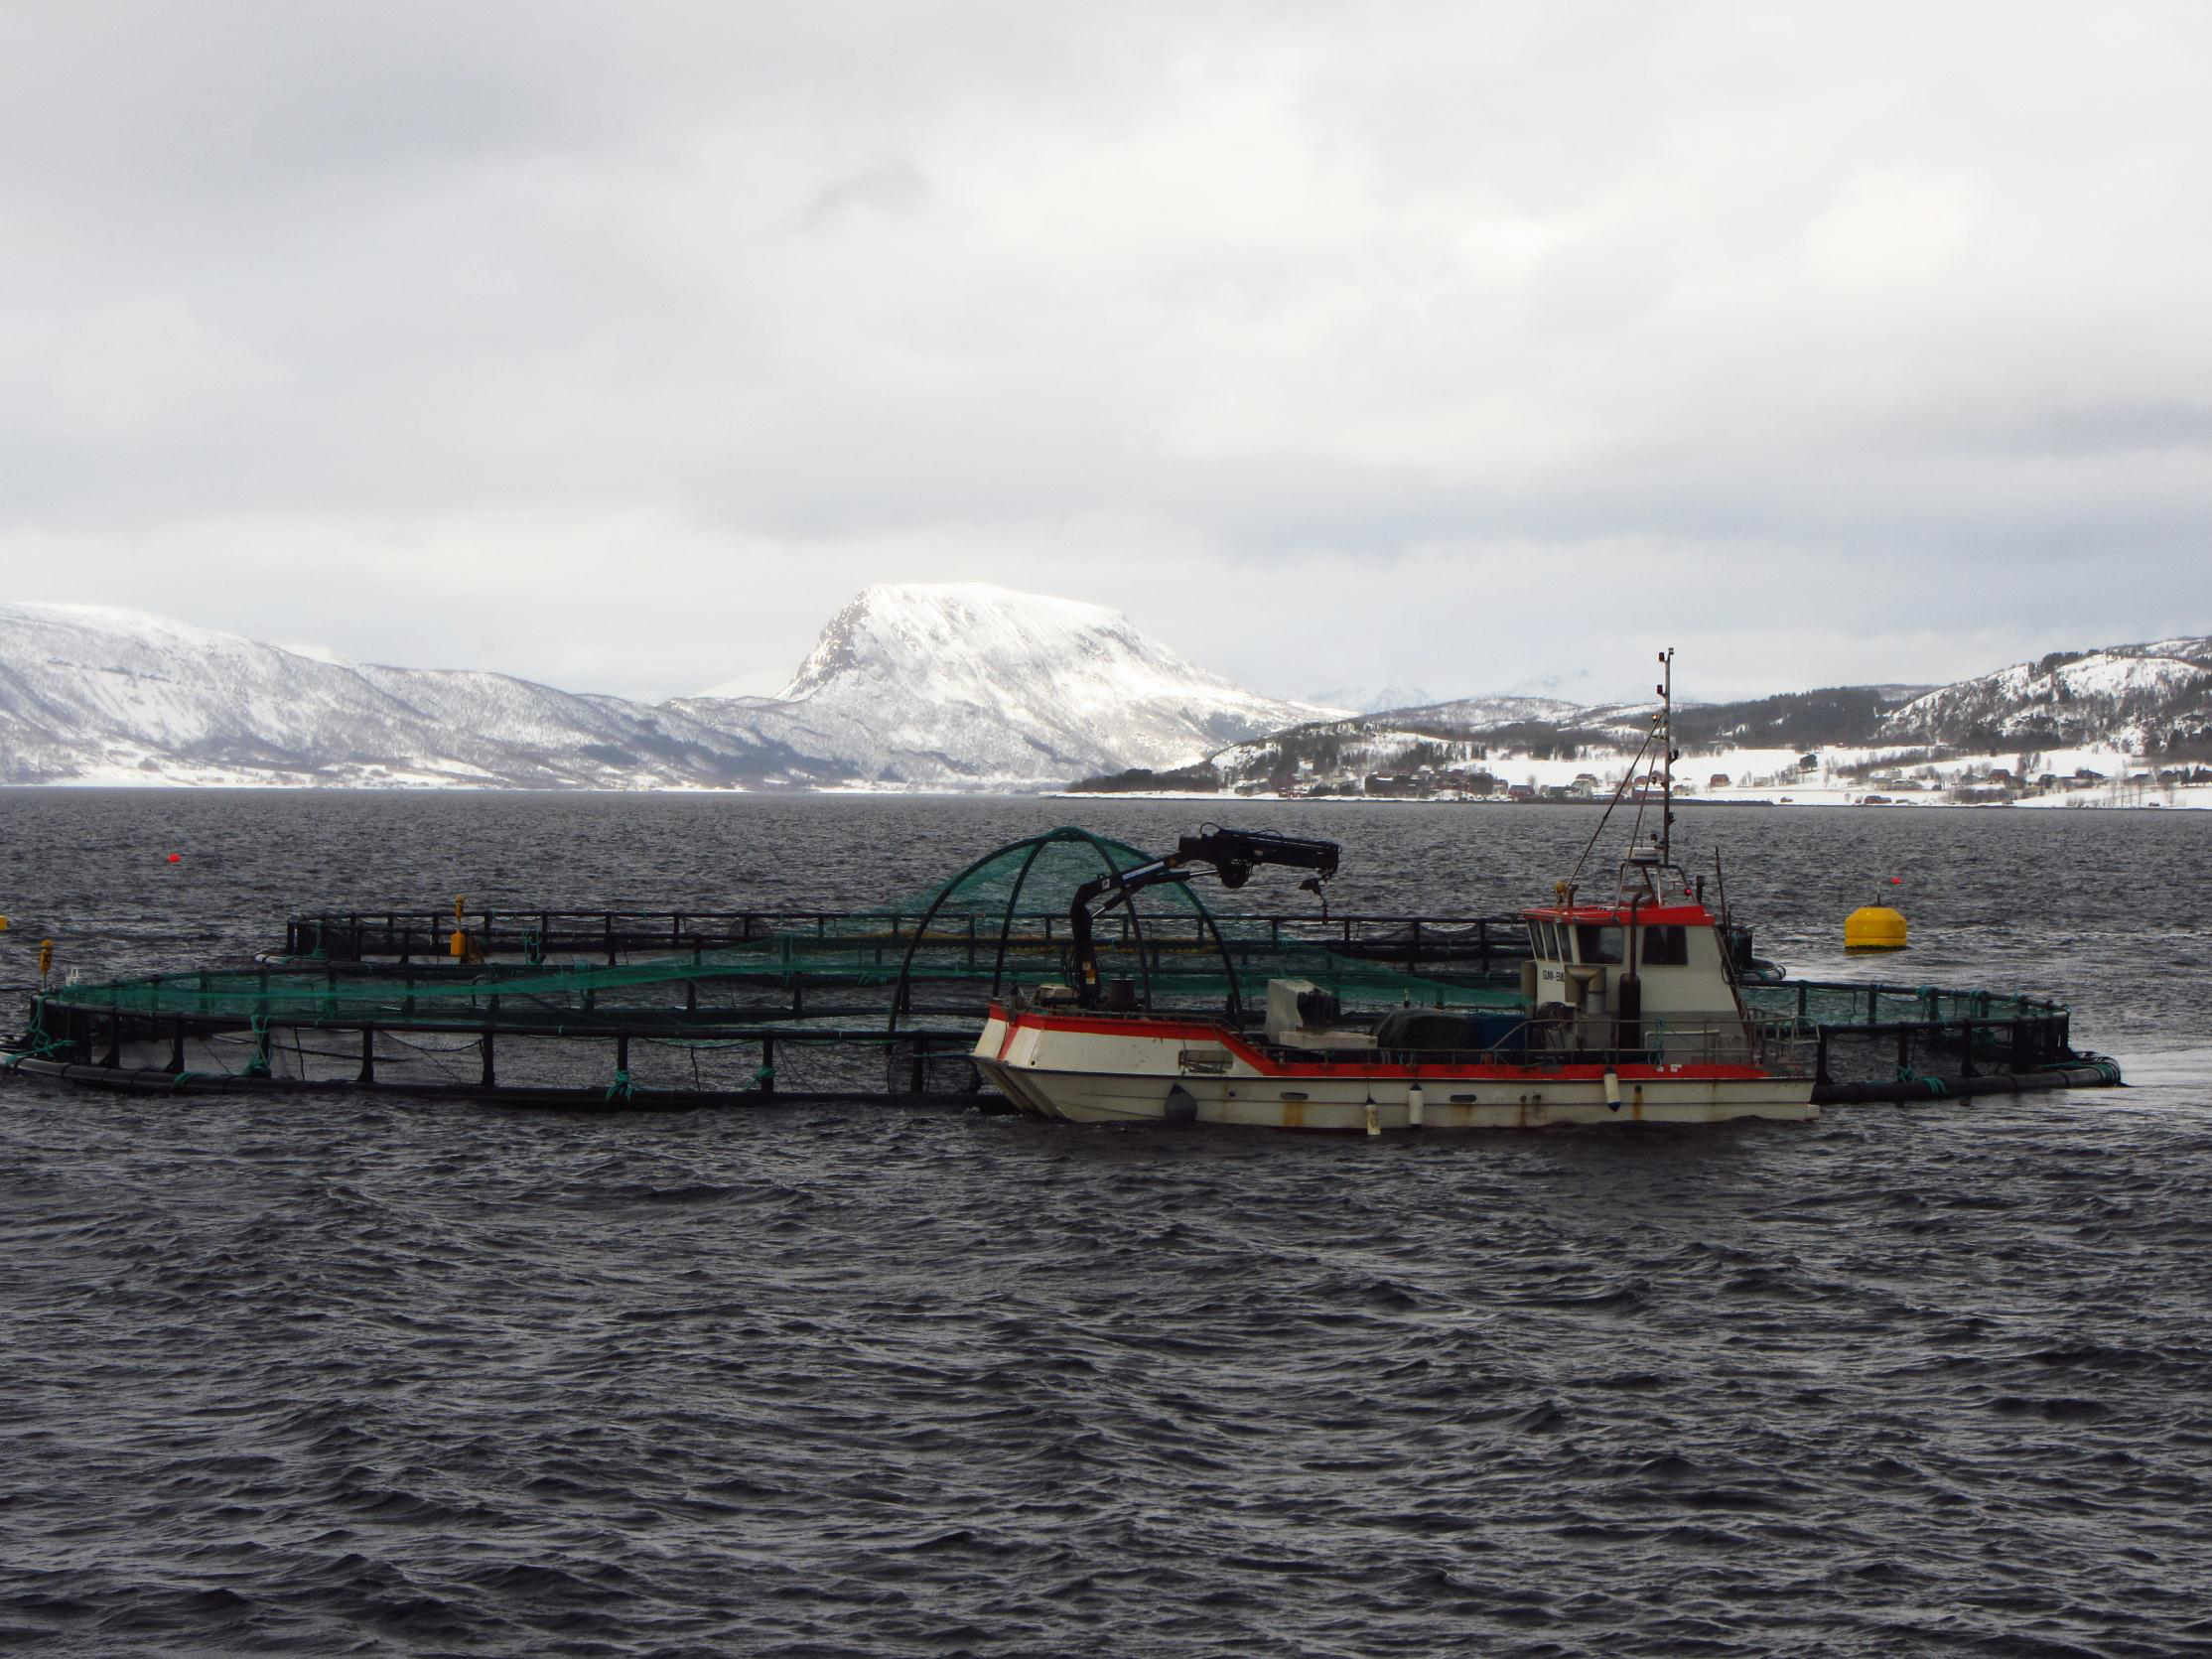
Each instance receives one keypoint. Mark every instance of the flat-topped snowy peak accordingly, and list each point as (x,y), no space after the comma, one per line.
(989,641)
(971,683)
(984,639)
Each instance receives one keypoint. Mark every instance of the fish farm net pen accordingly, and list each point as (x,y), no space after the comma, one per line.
(882,1003)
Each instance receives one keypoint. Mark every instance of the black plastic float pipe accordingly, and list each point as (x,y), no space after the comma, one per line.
(1964,1088)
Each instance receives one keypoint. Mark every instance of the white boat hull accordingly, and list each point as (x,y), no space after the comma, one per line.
(1084,1069)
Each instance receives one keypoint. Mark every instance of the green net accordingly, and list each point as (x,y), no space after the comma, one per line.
(1844,1005)
(1004,924)
(998,927)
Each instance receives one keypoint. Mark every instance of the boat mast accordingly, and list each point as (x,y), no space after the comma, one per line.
(1666,748)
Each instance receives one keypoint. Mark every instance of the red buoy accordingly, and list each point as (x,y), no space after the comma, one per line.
(176,858)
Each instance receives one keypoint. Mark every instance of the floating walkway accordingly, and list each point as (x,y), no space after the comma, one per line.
(625,1010)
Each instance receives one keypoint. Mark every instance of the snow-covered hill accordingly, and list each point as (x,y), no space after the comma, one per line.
(2125,696)
(966,684)
(91,694)
(1485,714)
(1465,731)
(2124,700)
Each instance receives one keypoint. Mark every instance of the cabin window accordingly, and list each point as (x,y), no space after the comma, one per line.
(1548,941)
(1600,943)
(1665,946)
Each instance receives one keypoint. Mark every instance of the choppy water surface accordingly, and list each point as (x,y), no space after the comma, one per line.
(403,1378)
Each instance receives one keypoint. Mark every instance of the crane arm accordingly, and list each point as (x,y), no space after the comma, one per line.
(1228,855)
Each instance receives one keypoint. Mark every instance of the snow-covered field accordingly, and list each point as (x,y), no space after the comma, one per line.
(1843,777)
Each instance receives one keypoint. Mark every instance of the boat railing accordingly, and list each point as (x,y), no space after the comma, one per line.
(1786,1047)
(1781,1043)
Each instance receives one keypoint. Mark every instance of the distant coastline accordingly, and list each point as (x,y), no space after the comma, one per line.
(2127,797)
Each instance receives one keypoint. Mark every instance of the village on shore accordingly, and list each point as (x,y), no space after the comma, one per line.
(1832,776)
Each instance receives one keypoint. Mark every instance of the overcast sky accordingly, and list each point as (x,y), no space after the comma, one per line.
(617,345)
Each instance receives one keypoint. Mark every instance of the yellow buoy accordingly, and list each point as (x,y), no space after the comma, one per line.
(463,944)
(1874,927)
(3,924)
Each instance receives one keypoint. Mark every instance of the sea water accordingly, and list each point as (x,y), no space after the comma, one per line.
(395,1377)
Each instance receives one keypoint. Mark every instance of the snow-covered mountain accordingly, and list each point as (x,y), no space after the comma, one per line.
(1485,714)
(966,684)
(91,694)
(1374,698)
(2125,696)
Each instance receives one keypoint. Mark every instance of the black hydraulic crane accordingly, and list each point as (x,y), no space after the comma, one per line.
(1228,855)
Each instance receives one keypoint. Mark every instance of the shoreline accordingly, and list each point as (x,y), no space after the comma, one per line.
(2186,797)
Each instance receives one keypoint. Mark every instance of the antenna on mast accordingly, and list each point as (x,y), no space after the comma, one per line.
(1667,749)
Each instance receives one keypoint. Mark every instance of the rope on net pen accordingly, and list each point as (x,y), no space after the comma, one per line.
(2104,1066)
(761,1074)
(435,1057)
(36,1045)
(258,1064)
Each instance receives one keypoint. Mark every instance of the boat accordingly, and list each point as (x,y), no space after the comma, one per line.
(1629,1010)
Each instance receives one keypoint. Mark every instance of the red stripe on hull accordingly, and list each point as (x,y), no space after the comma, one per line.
(1266,1066)
(1647,915)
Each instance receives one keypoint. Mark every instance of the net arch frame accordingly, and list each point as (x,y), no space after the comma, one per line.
(1115,858)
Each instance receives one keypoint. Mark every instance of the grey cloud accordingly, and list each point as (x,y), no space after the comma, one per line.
(742,306)
(2119,429)
(885,187)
